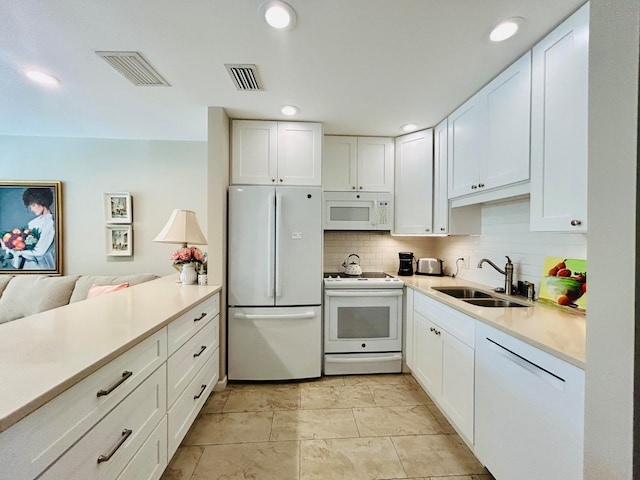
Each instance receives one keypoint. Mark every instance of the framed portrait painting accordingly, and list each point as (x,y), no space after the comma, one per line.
(31,227)
(117,207)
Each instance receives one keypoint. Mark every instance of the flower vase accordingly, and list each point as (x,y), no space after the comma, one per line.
(188,275)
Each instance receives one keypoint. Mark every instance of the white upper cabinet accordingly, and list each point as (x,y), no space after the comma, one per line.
(358,163)
(440,187)
(559,127)
(413,200)
(276,153)
(488,136)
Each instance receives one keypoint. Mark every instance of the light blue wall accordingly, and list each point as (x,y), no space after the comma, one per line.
(160,175)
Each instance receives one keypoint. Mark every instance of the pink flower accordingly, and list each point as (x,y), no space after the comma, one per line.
(187,255)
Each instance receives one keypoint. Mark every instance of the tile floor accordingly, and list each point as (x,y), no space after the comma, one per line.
(352,427)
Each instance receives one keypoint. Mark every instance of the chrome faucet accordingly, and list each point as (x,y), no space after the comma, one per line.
(507,272)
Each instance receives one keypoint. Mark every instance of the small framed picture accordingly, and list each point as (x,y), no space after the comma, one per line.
(117,207)
(119,241)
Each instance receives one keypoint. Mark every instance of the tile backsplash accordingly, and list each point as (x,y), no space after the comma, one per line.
(378,251)
(504,231)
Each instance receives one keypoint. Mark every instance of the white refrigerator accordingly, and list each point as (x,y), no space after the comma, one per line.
(274,283)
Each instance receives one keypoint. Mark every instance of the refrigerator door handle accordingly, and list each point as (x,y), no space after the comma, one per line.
(279,227)
(271,248)
(266,316)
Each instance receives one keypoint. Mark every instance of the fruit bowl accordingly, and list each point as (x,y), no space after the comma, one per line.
(565,289)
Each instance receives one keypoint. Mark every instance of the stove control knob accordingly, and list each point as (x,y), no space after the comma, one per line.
(364,345)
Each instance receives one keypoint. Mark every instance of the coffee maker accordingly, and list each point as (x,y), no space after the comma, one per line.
(406,263)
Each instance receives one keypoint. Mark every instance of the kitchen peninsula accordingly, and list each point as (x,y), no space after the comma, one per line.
(80,371)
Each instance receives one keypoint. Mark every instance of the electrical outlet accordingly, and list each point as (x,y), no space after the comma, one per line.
(465,263)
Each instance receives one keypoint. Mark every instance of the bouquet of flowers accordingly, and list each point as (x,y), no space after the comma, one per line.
(187,255)
(18,239)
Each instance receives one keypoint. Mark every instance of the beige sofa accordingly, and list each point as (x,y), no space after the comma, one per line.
(24,295)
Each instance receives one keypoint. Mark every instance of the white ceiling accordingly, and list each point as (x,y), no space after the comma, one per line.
(362,67)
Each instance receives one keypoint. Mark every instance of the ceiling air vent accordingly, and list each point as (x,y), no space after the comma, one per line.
(245,76)
(134,68)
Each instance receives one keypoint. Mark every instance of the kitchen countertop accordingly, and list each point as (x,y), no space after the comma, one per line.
(551,329)
(44,354)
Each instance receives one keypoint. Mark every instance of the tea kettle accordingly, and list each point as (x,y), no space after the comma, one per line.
(352,268)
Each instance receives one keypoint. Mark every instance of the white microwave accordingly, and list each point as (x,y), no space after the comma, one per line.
(357,211)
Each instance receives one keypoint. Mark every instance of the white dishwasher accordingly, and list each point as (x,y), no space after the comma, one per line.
(529,410)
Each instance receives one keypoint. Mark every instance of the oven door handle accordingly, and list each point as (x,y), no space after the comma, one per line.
(396,292)
(286,316)
(380,358)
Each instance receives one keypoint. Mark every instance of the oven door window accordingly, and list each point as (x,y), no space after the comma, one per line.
(363,322)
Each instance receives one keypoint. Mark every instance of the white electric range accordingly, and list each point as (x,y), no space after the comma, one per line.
(362,323)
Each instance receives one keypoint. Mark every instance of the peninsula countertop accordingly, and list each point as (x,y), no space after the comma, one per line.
(44,354)
(551,329)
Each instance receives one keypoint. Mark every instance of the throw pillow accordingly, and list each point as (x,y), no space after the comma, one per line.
(97,290)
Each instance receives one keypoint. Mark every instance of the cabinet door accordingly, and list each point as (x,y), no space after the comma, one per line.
(375,164)
(254,150)
(559,127)
(340,163)
(414,183)
(466,147)
(508,105)
(457,383)
(427,355)
(299,153)
(440,197)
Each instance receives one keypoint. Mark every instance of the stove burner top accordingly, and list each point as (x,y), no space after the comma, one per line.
(363,275)
(365,280)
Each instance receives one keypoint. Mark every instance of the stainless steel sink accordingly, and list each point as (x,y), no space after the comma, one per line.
(463,292)
(494,302)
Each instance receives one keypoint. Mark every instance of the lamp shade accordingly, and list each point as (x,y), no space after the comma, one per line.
(182,227)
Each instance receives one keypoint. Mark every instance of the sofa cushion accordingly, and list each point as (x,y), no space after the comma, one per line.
(4,281)
(29,294)
(84,283)
(97,290)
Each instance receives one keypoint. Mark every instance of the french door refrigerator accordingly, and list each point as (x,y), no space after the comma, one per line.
(274,283)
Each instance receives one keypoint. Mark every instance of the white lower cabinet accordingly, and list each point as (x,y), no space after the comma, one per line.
(109,446)
(443,360)
(126,420)
(529,410)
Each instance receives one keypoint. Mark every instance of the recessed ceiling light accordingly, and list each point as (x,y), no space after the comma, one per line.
(289,110)
(278,14)
(41,77)
(409,127)
(505,29)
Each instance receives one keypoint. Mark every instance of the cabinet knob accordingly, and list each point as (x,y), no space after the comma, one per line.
(273,179)
(473,187)
(575,223)
(442,229)
(427,229)
(481,185)
(353,188)
(360,188)
(280,180)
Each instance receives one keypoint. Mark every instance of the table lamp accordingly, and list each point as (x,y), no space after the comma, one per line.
(182,228)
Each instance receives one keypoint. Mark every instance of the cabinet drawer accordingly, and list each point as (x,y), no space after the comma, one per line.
(40,438)
(111,444)
(185,363)
(151,459)
(185,409)
(457,324)
(185,326)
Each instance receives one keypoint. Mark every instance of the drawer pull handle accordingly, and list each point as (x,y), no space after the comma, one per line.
(202,388)
(125,375)
(200,317)
(125,434)
(202,349)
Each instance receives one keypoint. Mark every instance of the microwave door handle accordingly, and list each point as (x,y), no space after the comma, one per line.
(374,220)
